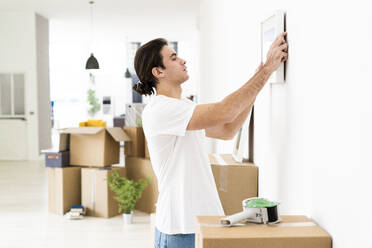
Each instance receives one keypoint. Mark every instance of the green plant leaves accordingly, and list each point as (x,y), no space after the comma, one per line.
(93,102)
(127,191)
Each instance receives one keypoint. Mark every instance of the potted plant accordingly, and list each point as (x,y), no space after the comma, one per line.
(127,193)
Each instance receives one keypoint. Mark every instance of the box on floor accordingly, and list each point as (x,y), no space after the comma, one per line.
(95,146)
(135,148)
(291,232)
(96,195)
(139,168)
(64,189)
(235,181)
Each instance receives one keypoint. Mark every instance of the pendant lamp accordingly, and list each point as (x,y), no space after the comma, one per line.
(127,74)
(92,62)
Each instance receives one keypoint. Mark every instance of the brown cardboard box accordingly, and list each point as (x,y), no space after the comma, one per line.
(235,181)
(138,168)
(147,154)
(64,189)
(95,146)
(135,148)
(96,195)
(292,232)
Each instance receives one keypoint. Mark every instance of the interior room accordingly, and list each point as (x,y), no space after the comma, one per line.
(305,145)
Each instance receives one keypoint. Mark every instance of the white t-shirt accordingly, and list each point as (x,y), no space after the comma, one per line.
(181,165)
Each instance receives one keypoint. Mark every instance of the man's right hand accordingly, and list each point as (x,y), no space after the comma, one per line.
(277,53)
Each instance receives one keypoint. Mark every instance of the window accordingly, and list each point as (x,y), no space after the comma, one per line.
(174,45)
(133,47)
(12,95)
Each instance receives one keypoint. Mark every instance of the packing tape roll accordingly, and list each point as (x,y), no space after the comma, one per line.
(238,217)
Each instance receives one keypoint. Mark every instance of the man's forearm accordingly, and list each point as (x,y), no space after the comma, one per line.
(233,127)
(237,102)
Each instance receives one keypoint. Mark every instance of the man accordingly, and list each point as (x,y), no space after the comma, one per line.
(175,129)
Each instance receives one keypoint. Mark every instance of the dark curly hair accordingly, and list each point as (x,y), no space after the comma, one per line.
(147,57)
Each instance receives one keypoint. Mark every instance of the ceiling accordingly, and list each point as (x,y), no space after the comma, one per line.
(80,9)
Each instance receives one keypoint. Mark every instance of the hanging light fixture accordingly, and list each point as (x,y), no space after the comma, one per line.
(92,62)
(127,74)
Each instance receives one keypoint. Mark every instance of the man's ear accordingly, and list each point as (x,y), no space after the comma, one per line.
(157,72)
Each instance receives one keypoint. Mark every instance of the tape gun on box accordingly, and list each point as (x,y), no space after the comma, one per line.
(257,210)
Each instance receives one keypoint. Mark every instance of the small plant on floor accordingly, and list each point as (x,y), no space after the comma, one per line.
(127,191)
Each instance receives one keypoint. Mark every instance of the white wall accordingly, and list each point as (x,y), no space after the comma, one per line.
(70,47)
(42,60)
(312,135)
(18,54)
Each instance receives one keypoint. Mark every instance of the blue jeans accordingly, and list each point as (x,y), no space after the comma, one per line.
(163,240)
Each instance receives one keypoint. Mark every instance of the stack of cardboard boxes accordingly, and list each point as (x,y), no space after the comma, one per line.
(137,158)
(78,168)
(235,181)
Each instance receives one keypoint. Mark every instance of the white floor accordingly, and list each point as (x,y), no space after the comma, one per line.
(25,221)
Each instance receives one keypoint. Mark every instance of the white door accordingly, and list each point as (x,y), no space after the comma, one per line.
(13,124)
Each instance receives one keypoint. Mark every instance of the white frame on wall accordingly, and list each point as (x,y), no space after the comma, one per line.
(270,29)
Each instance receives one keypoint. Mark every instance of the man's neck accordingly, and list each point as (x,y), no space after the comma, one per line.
(174,92)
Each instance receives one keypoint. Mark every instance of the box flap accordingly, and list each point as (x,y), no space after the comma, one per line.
(118,134)
(83,130)
(226,159)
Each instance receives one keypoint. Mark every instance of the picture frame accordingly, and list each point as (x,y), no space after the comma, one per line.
(270,29)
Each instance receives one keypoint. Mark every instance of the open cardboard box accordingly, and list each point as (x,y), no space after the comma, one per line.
(94,146)
(235,181)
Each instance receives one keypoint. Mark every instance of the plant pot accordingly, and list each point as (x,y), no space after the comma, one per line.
(128,218)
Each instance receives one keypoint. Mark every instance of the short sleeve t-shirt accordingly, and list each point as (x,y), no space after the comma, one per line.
(181,165)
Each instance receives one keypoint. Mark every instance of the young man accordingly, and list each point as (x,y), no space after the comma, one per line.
(175,129)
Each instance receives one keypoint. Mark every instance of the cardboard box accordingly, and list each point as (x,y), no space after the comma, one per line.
(235,181)
(95,146)
(292,232)
(62,143)
(57,159)
(147,154)
(96,195)
(135,148)
(139,168)
(64,189)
